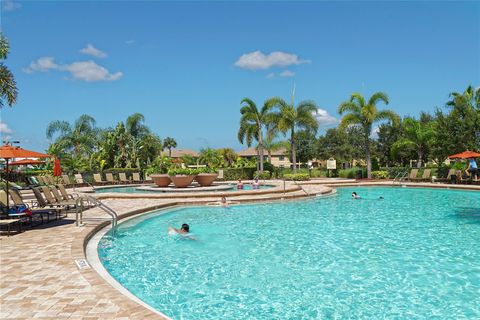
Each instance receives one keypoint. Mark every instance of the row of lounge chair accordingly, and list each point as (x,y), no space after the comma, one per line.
(453,176)
(97,179)
(49,201)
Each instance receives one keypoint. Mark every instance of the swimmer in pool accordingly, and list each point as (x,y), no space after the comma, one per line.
(224,202)
(183,230)
(355,195)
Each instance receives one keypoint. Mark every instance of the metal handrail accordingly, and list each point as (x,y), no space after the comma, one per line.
(101,205)
(301,188)
(400,177)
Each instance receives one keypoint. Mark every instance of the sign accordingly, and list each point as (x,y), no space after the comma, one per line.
(331,164)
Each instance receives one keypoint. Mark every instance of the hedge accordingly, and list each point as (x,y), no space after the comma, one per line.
(263,175)
(380,174)
(297,176)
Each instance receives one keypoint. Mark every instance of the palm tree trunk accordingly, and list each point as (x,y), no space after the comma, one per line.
(269,155)
(420,158)
(169,152)
(367,157)
(260,150)
(294,151)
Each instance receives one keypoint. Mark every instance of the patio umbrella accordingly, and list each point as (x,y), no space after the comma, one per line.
(8,152)
(57,169)
(465,155)
(25,162)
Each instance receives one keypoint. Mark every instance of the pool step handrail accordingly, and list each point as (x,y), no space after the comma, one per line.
(400,177)
(97,203)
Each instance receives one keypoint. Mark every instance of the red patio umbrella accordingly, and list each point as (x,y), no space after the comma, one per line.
(25,162)
(8,152)
(57,169)
(465,155)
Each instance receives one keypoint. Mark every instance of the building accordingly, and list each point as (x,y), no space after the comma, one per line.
(280,157)
(179,153)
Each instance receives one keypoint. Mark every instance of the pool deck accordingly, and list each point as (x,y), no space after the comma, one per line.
(39,276)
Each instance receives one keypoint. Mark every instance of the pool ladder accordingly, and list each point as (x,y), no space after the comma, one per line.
(97,203)
(400,177)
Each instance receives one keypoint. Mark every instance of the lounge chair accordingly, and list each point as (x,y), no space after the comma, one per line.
(110,178)
(65,195)
(53,201)
(79,179)
(123,178)
(97,178)
(136,177)
(451,173)
(413,175)
(33,181)
(148,178)
(66,180)
(41,180)
(425,176)
(9,223)
(51,180)
(19,203)
(60,199)
(42,203)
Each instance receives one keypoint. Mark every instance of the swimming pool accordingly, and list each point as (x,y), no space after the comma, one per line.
(133,189)
(415,254)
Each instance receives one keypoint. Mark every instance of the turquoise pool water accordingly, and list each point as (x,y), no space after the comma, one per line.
(135,190)
(413,255)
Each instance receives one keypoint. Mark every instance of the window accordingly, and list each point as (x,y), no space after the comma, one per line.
(281,158)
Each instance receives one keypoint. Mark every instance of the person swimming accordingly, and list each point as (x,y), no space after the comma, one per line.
(256,184)
(185,229)
(355,195)
(240,184)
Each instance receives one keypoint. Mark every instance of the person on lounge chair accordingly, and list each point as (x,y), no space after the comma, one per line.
(472,169)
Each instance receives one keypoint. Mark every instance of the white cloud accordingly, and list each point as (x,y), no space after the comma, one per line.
(9,5)
(87,71)
(258,60)
(271,75)
(287,73)
(92,51)
(4,129)
(43,64)
(90,71)
(324,118)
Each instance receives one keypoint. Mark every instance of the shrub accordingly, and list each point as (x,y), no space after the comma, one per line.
(206,170)
(183,171)
(267,166)
(297,176)
(380,174)
(351,173)
(263,175)
(238,173)
(394,171)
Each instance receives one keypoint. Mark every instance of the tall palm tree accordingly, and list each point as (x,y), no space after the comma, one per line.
(169,143)
(291,118)
(359,112)
(418,135)
(80,137)
(135,126)
(8,86)
(252,123)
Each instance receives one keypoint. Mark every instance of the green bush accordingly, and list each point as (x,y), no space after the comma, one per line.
(206,170)
(297,176)
(263,175)
(183,171)
(380,174)
(267,166)
(238,173)
(351,173)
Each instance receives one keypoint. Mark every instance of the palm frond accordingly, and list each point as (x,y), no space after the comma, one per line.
(377,97)
(349,106)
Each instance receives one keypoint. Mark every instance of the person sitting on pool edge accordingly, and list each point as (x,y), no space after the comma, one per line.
(183,230)
(256,184)
(355,195)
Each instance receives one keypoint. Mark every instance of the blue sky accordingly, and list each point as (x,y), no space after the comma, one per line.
(187,64)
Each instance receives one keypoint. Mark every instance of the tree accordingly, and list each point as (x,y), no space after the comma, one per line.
(169,143)
(252,123)
(290,118)
(135,126)
(210,157)
(459,129)
(306,142)
(343,145)
(359,112)
(417,135)
(8,85)
(79,137)
(229,156)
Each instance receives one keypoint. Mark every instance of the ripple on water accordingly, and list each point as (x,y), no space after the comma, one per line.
(414,254)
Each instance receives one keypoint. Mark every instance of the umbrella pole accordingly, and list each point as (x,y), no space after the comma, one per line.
(6,186)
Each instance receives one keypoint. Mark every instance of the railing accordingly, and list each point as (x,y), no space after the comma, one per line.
(308,194)
(400,177)
(99,204)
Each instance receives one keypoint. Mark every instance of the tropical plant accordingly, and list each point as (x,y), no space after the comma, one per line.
(161,165)
(210,157)
(8,86)
(79,137)
(229,156)
(417,135)
(169,143)
(289,118)
(359,112)
(135,126)
(252,123)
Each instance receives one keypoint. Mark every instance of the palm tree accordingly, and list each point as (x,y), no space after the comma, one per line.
(269,144)
(210,157)
(252,122)
(291,118)
(229,156)
(359,112)
(169,143)
(8,86)
(417,135)
(135,126)
(81,136)
(470,97)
